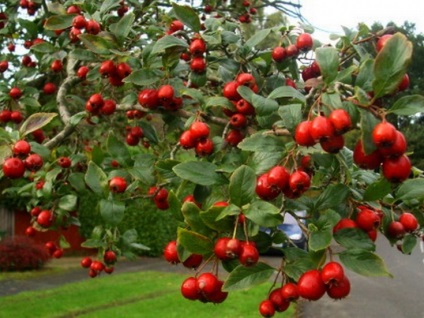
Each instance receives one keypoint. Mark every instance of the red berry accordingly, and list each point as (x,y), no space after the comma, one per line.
(193,261)
(280,304)
(266,308)
(249,255)
(30,231)
(5,115)
(170,253)
(16,117)
(234,137)
(207,283)
(397,149)
(107,68)
(175,26)
(367,220)
(82,72)
(220,248)
(384,134)
(33,162)
(109,257)
(49,88)
(344,224)
(45,218)
(366,161)
(58,253)
(189,289)
(396,169)
(302,134)
(165,93)
(332,273)
(292,50)
(279,177)
(15,93)
(409,221)
(304,42)
(56,66)
(79,22)
(339,290)
(404,83)
(310,285)
(97,266)
(230,91)
(238,120)
(244,107)
(86,262)
(279,54)
(396,230)
(117,185)
(382,41)
(340,119)
(197,47)
(199,130)
(109,107)
(321,128)
(92,27)
(264,189)
(21,148)
(289,292)
(204,147)
(299,181)
(332,144)
(13,168)
(198,65)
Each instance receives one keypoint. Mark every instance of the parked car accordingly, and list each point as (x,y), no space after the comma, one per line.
(292,230)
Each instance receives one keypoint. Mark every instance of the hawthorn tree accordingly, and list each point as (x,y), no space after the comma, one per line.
(225,124)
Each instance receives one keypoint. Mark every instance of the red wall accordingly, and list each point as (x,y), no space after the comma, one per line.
(22,221)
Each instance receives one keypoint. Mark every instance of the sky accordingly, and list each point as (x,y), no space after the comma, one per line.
(330,15)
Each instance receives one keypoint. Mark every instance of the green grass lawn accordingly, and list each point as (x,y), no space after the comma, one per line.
(142,294)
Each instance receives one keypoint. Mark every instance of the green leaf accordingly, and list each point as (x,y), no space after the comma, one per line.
(320,239)
(245,277)
(260,142)
(68,202)
(149,132)
(391,64)
(203,173)
(263,161)
(194,242)
(242,185)
(59,22)
(264,214)
(257,38)
(117,149)
(123,27)
(297,261)
(82,55)
(166,42)
(164,168)
(210,218)
(43,47)
(411,189)
(291,115)
(36,121)
(368,122)
(364,262)
(408,244)
(130,236)
(144,77)
(93,243)
(328,61)
(191,214)
(188,16)
(365,75)
(97,44)
(377,190)
(332,197)
(351,238)
(408,105)
(76,118)
(77,181)
(95,178)
(108,5)
(218,101)
(287,92)
(112,211)
(63,243)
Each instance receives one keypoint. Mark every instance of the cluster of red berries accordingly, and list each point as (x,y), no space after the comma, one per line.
(28,62)
(96,105)
(11,116)
(53,249)
(246,17)
(115,73)
(405,223)
(159,197)
(312,285)
(79,24)
(135,134)
(163,97)
(197,137)
(239,115)
(311,71)
(304,43)
(279,180)
(205,287)
(30,6)
(328,131)
(390,153)
(14,167)
(227,249)
(123,8)
(195,55)
(95,267)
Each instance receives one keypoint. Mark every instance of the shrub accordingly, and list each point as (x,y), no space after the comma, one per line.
(20,253)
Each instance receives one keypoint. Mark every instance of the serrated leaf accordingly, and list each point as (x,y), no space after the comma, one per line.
(36,121)
(328,61)
(260,142)
(68,202)
(59,22)
(194,242)
(149,131)
(291,115)
(377,190)
(264,214)
(43,47)
(245,277)
(320,239)
(188,16)
(411,189)
(257,38)
(143,77)
(93,243)
(287,92)
(332,197)
(368,122)
(97,44)
(117,149)
(191,213)
(166,42)
(354,238)
(95,178)
(203,173)
(364,262)
(76,180)
(217,101)
(112,211)
(242,185)
(408,105)
(82,55)
(123,27)
(391,64)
